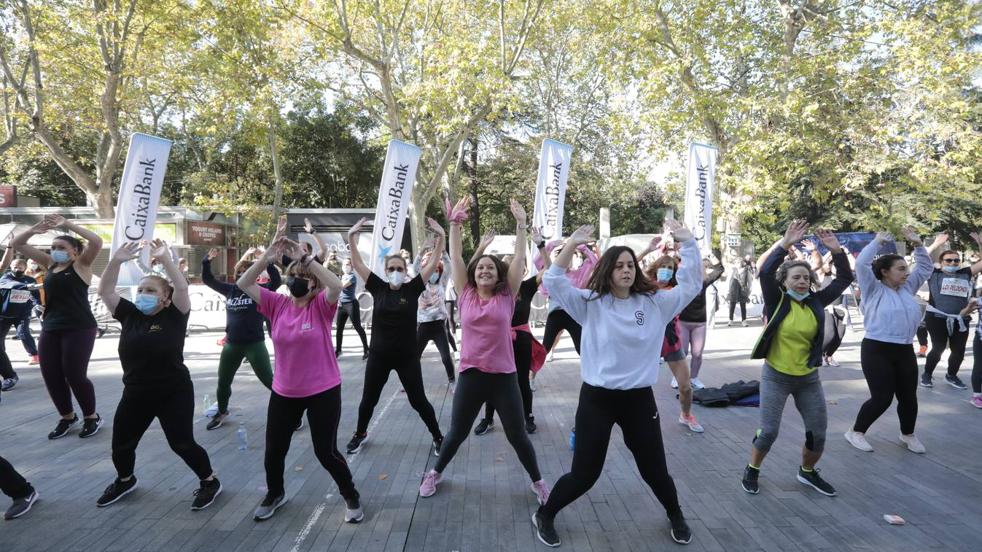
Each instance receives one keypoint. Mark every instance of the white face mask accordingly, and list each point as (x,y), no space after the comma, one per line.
(397,278)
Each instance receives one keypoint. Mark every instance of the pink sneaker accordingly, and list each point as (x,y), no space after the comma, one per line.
(541,491)
(977,401)
(430,480)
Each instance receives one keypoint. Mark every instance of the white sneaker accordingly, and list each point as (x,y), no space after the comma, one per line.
(697,384)
(913,443)
(858,440)
(691,422)
(675,383)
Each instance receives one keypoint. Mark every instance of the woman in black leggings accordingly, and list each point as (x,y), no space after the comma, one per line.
(431,316)
(393,345)
(156,383)
(349,308)
(624,319)
(559,320)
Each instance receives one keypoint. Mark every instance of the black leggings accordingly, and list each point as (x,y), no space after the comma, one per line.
(323,414)
(558,320)
(637,414)
(523,364)
(743,309)
(474,388)
(12,483)
(890,370)
(977,364)
(435,331)
(350,310)
(922,334)
(938,329)
(174,408)
(410,375)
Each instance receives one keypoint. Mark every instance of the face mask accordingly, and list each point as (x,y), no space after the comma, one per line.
(397,278)
(18,274)
(60,256)
(950,268)
(434,278)
(298,286)
(665,274)
(158,268)
(146,303)
(798,296)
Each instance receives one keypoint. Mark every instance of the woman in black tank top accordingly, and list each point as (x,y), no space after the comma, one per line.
(68,329)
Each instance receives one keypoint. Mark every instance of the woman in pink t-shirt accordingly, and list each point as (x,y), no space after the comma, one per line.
(487,359)
(306,375)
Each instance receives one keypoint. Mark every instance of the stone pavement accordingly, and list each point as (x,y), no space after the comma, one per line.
(484,503)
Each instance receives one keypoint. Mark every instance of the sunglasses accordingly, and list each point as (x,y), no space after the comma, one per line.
(395,269)
(950,260)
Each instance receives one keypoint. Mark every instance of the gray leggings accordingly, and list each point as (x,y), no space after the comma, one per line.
(809,399)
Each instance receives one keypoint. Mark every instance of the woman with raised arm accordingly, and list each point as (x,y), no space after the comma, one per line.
(68,329)
(623,318)
(558,320)
(156,383)
(306,377)
(791,346)
(890,316)
(349,309)
(487,357)
(431,318)
(393,344)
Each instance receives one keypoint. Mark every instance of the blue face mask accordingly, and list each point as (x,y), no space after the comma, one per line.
(59,256)
(665,274)
(146,303)
(950,268)
(798,296)
(434,278)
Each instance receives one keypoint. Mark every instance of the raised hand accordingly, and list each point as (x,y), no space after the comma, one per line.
(280,228)
(975,236)
(536,235)
(213,252)
(829,240)
(795,233)
(435,226)
(678,230)
(487,239)
(583,234)
(307,226)
(158,250)
(912,236)
(290,248)
(55,221)
(882,237)
(655,242)
(41,227)
(127,252)
(357,227)
(518,212)
(459,212)
(942,238)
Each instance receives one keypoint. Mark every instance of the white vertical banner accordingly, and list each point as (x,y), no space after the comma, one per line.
(699,194)
(395,193)
(550,188)
(139,196)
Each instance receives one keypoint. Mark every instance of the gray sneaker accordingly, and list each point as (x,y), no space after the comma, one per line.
(21,505)
(352,511)
(268,507)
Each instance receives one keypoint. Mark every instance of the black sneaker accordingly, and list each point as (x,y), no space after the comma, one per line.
(21,505)
(750,476)
(437,443)
(217,421)
(680,529)
(206,494)
(62,428)
(115,491)
(90,427)
(545,530)
(926,381)
(954,381)
(268,507)
(815,481)
(530,426)
(484,426)
(9,383)
(357,441)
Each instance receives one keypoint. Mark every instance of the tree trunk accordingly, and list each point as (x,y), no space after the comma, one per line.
(474,185)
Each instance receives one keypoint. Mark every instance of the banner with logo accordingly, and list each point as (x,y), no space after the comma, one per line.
(550,188)
(139,196)
(395,193)
(699,194)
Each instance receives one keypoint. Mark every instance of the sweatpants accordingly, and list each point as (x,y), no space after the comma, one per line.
(890,370)
(410,373)
(558,320)
(231,359)
(743,310)
(474,388)
(977,364)
(937,328)
(174,408)
(435,331)
(323,414)
(522,345)
(64,357)
(348,310)
(809,399)
(635,411)
(12,483)
(693,336)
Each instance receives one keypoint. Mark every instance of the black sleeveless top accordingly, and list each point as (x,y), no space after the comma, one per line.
(66,301)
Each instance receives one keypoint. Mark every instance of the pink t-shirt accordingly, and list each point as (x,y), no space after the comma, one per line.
(304,363)
(486,331)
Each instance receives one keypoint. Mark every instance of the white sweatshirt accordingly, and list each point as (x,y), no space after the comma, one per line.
(891,315)
(622,339)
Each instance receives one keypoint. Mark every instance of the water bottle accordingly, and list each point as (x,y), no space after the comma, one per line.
(205,404)
(242,437)
(572,438)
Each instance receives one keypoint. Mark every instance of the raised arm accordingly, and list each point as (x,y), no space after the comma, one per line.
(247,282)
(652,246)
(977,267)
(775,256)
(19,243)
(923,264)
(540,249)
(843,272)
(516,271)
(107,283)
(568,297)
(934,250)
(321,252)
(357,263)
(688,276)
(275,280)
(8,255)
(427,270)
(93,243)
(180,298)
(483,245)
(208,279)
(458,268)
(868,282)
(328,279)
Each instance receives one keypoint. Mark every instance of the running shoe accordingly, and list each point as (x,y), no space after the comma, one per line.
(541,491)
(680,529)
(268,507)
(484,426)
(926,381)
(357,441)
(352,511)
(954,381)
(922,351)
(34,360)
(62,428)
(858,440)
(90,426)
(675,383)
(913,444)
(428,487)
(815,481)
(691,422)
(750,476)
(744,324)
(217,421)
(697,384)
(530,426)
(115,491)
(21,505)
(977,401)
(437,443)
(206,494)
(9,383)
(545,530)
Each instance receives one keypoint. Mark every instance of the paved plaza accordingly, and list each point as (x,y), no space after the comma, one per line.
(484,503)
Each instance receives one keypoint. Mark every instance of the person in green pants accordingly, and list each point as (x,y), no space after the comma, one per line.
(244,337)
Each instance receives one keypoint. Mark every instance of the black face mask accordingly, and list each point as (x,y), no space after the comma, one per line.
(298,286)
(18,274)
